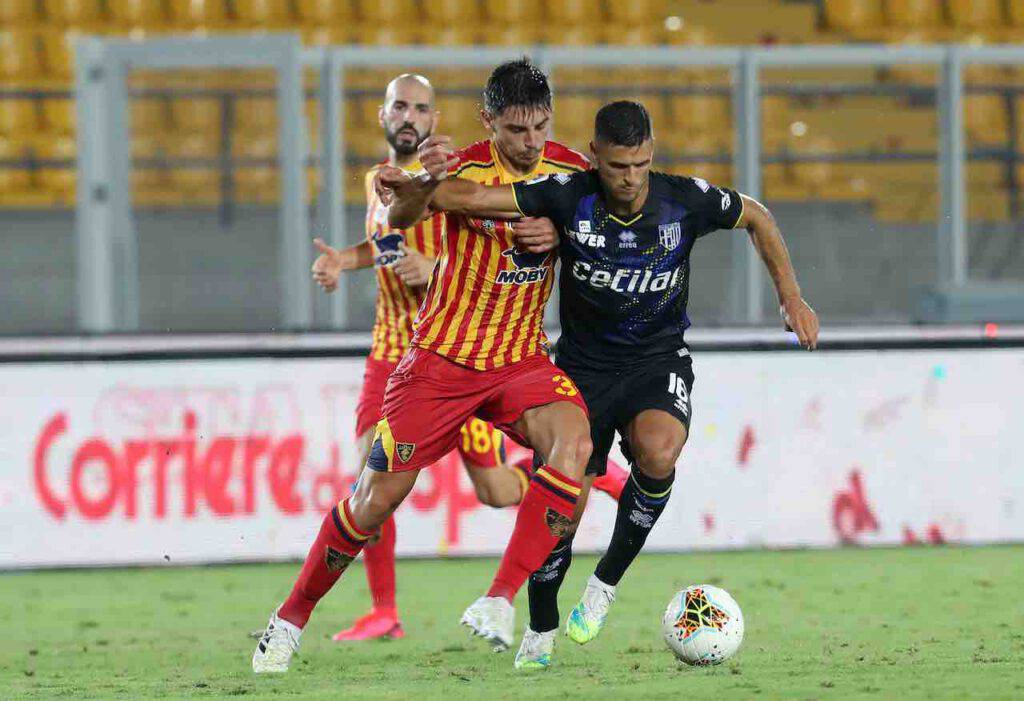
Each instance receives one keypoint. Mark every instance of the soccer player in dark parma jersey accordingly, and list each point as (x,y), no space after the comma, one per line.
(627,235)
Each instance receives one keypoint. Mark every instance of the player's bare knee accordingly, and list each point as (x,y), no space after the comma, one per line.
(575,450)
(657,458)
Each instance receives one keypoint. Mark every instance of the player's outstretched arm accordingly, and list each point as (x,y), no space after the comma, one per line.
(470,198)
(329,265)
(767,239)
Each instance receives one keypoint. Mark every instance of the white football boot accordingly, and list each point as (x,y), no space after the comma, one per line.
(587,618)
(276,646)
(535,650)
(493,619)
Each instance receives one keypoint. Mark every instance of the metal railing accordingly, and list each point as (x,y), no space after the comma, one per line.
(105,226)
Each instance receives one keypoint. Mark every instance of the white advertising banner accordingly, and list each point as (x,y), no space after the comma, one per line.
(182,461)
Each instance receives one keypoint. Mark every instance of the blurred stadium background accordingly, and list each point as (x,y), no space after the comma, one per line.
(848,155)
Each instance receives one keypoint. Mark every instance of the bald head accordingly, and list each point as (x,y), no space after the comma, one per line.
(409,82)
(407,115)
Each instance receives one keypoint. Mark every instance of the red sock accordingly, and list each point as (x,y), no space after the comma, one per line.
(543,518)
(379,559)
(336,545)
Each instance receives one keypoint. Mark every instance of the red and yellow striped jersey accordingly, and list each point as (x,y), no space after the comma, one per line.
(485,302)
(397,303)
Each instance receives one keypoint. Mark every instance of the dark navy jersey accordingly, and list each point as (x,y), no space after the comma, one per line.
(624,284)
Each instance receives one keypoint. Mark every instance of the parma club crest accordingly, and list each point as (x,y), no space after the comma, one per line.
(670,235)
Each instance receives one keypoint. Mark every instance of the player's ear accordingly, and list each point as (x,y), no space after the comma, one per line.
(380,115)
(593,152)
(486,120)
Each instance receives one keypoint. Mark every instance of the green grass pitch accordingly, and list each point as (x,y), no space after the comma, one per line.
(879,624)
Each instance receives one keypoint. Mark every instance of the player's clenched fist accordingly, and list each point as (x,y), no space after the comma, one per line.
(388,180)
(413,267)
(535,234)
(437,156)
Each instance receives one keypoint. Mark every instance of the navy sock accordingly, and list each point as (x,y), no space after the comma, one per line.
(544,585)
(642,501)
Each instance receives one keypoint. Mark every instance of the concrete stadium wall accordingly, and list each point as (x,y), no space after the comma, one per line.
(196,275)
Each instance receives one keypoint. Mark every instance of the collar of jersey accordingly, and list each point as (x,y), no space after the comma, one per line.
(507,177)
(648,206)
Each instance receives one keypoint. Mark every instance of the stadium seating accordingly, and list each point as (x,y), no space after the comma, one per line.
(36,53)
(198,15)
(976,14)
(128,15)
(20,57)
(80,14)
(859,18)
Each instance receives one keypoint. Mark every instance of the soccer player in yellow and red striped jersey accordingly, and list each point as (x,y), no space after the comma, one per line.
(403,260)
(434,390)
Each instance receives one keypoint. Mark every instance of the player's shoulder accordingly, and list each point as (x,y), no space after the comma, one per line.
(561,156)
(685,186)
(476,155)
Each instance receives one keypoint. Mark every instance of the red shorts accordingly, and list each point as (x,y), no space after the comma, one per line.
(429,399)
(482,445)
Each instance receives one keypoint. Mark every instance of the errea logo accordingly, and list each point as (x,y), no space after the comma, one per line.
(627,239)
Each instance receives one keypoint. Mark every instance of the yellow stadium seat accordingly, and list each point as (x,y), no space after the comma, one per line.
(324,12)
(20,57)
(976,14)
(513,12)
(200,15)
(148,116)
(575,12)
(574,117)
(633,35)
(255,115)
(638,12)
(74,13)
(18,117)
(258,183)
(59,115)
(129,14)
(700,112)
(459,117)
(59,50)
(464,34)
(452,11)
(327,36)
(913,14)
(197,115)
(1015,12)
(858,17)
(14,179)
(57,179)
(388,34)
(392,11)
(14,13)
(194,178)
(263,14)
(499,34)
(986,120)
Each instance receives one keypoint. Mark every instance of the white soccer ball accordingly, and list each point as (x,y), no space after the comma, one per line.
(703,625)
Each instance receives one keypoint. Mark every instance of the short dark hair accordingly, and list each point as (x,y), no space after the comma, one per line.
(517,83)
(622,123)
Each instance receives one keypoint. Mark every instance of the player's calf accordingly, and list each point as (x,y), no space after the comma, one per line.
(342,536)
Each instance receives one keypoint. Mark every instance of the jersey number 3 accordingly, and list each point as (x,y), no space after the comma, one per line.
(565,386)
